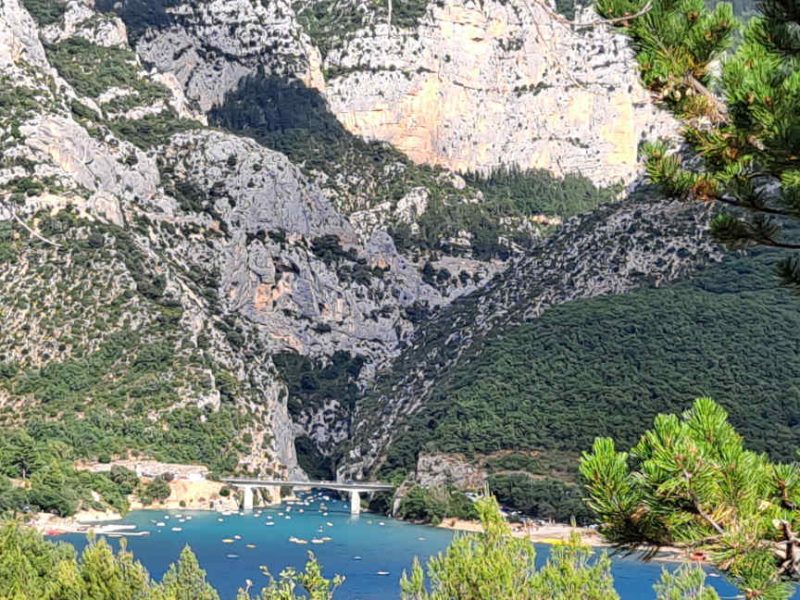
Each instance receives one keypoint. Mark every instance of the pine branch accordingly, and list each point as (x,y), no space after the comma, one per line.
(697,506)
(756,208)
(624,20)
(720,114)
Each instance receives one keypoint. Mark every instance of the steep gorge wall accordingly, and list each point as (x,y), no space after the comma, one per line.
(470,87)
(481,86)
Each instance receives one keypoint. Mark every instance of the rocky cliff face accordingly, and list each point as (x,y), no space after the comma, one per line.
(630,245)
(251,281)
(481,86)
(468,86)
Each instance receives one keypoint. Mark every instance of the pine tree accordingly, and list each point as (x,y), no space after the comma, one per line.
(109,576)
(296,585)
(686,583)
(744,126)
(495,564)
(690,482)
(185,580)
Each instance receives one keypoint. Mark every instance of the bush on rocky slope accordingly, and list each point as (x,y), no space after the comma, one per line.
(606,366)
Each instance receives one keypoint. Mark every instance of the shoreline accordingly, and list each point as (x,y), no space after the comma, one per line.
(103,523)
(556,533)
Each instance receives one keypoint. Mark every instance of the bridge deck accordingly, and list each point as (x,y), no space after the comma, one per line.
(366,486)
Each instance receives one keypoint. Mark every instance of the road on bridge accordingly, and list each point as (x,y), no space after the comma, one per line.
(354,488)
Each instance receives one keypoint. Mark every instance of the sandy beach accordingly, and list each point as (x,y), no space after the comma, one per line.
(184,495)
(553,533)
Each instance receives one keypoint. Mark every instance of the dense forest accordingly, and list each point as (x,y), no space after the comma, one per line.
(607,366)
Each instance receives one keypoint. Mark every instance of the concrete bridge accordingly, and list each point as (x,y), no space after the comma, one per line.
(354,488)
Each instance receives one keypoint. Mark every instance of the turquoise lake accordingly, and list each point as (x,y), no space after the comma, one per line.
(359,548)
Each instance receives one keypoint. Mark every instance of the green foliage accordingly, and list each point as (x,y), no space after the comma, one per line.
(189,435)
(101,398)
(140,15)
(566,8)
(93,69)
(495,564)
(140,366)
(331,24)
(607,366)
(185,580)
(690,481)
(315,464)
(546,498)
(156,491)
(311,385)
(125,479)
(747,134)
(49,481)
(509,196)
(432,505)
(151,130)
(538,464)
(291,584)
(676,43)
(7,245)
(45,12)
(686,583)
(31,567)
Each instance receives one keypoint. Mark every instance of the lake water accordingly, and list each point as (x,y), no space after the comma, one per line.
(371,551)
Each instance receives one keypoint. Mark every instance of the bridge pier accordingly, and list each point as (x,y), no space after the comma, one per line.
(274,487)
(274,493)
(355,502)
(247,503)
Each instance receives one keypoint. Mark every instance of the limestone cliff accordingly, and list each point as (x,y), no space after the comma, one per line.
(482,86)
(229,292)
(471,86)
(633,244)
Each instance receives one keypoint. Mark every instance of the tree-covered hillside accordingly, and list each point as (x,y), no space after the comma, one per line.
(607,366)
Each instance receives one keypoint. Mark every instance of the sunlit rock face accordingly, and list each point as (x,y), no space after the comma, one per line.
(471,86)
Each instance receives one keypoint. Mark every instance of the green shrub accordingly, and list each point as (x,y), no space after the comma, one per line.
(151,130)
(157,490)
(45,12)
(432,505)
(93,69)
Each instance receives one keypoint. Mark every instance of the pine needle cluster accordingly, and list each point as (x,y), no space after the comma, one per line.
(740,109)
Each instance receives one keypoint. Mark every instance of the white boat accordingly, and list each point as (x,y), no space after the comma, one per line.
(115,528)
(177,529)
